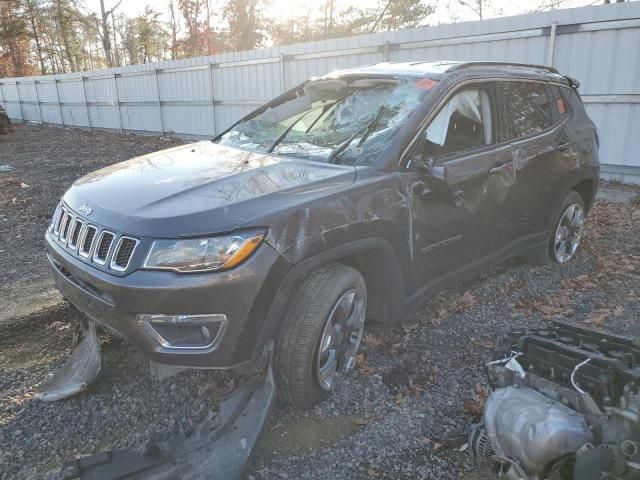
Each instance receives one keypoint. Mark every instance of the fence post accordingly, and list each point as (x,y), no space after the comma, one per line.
(155,71)
(115,83)
(2,98)
(35,87)
(283,84)
(212,97)
(55,81)
(86,101)
(387,51)
(552,44)
(20,101)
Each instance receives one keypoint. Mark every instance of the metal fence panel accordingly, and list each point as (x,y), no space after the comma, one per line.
(203,96)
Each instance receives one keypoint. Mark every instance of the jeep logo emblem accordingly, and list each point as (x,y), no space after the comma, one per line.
(85,209)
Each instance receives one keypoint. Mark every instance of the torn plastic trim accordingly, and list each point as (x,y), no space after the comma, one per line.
(221,448)
(79,371)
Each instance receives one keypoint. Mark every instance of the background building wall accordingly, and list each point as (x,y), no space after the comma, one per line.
(201,97)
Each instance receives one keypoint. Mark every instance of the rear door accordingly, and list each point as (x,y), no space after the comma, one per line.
(543,155)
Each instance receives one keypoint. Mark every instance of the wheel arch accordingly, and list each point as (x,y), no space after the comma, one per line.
(376,261)
(587,189)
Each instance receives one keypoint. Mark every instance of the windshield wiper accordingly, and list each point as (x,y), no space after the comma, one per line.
(367,129)
(286,132)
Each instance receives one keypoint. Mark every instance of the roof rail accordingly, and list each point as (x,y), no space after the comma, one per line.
(499,64)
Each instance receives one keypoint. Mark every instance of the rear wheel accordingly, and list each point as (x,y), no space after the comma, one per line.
(566,233)
(320,334)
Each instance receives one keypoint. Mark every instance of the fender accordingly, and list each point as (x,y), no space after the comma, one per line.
(385,255)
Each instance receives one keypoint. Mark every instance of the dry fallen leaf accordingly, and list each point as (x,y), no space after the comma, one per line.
(475,406)
(371,341)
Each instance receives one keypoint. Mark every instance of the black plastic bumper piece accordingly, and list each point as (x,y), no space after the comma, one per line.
(220,449)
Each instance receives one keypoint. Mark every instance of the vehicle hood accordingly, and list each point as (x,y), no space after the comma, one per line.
(198,188)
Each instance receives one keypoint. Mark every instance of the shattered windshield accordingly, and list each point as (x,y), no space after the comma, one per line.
(331,120)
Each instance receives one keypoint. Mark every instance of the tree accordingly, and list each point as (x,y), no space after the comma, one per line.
(397,14)
(145,37)
(34,14)
(104,32)
(14,38)
(195,40)
(174,29)
(477,6)
(246,28)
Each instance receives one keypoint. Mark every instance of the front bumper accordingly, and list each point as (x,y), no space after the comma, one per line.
(116,302)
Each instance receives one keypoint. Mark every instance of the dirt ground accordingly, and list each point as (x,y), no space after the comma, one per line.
(401,415)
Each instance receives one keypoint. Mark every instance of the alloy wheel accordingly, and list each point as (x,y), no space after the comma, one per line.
(568,233)
(340,338)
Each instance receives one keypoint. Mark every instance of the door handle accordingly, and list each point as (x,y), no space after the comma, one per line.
(563,146)
(501,167)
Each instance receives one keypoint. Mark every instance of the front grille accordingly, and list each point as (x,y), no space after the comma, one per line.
(87,240)
(104,245)
(92,243)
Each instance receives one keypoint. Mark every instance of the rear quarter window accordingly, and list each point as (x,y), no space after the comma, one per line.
(572,101)
(527,108)
(560,104)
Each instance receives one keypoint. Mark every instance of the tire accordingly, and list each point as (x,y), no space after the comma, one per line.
(548,254)
(315,313)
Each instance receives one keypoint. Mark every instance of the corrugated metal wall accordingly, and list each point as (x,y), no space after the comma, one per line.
(202,96)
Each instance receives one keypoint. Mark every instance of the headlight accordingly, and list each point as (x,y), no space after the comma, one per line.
(203,254)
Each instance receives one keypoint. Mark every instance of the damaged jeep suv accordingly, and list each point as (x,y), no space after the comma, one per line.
(350,197)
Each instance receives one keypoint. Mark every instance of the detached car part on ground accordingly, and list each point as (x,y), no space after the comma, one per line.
(565,405)
(350,197)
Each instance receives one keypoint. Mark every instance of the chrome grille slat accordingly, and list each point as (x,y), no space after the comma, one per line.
(74,233)
(86,241)
(54,218)
(103,247)
(64,227)
(61,214)
(123,253)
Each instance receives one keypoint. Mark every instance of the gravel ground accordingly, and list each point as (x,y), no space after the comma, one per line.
(400,415)
(44,162)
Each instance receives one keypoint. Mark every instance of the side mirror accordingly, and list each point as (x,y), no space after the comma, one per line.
(437,180)
(427,164)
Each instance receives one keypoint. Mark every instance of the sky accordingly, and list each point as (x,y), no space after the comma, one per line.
(445,10)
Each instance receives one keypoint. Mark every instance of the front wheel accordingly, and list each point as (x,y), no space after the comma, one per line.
(320,334)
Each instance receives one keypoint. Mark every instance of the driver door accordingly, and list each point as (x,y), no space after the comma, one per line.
(456,204)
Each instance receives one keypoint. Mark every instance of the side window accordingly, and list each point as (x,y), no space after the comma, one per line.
(527,109)
(463,123)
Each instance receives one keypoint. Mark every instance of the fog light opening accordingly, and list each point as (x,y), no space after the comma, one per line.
(184,331)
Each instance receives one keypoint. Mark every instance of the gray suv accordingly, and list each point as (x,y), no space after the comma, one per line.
(350,197)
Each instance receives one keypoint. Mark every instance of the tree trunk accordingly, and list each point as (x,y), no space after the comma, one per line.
(36,37)
(106,36)
(62,29)
(174,32)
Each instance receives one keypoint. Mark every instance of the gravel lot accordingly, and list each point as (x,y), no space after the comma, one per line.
(400,415)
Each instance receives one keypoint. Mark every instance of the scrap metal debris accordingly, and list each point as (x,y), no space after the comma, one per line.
(221,448)
(566,404)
